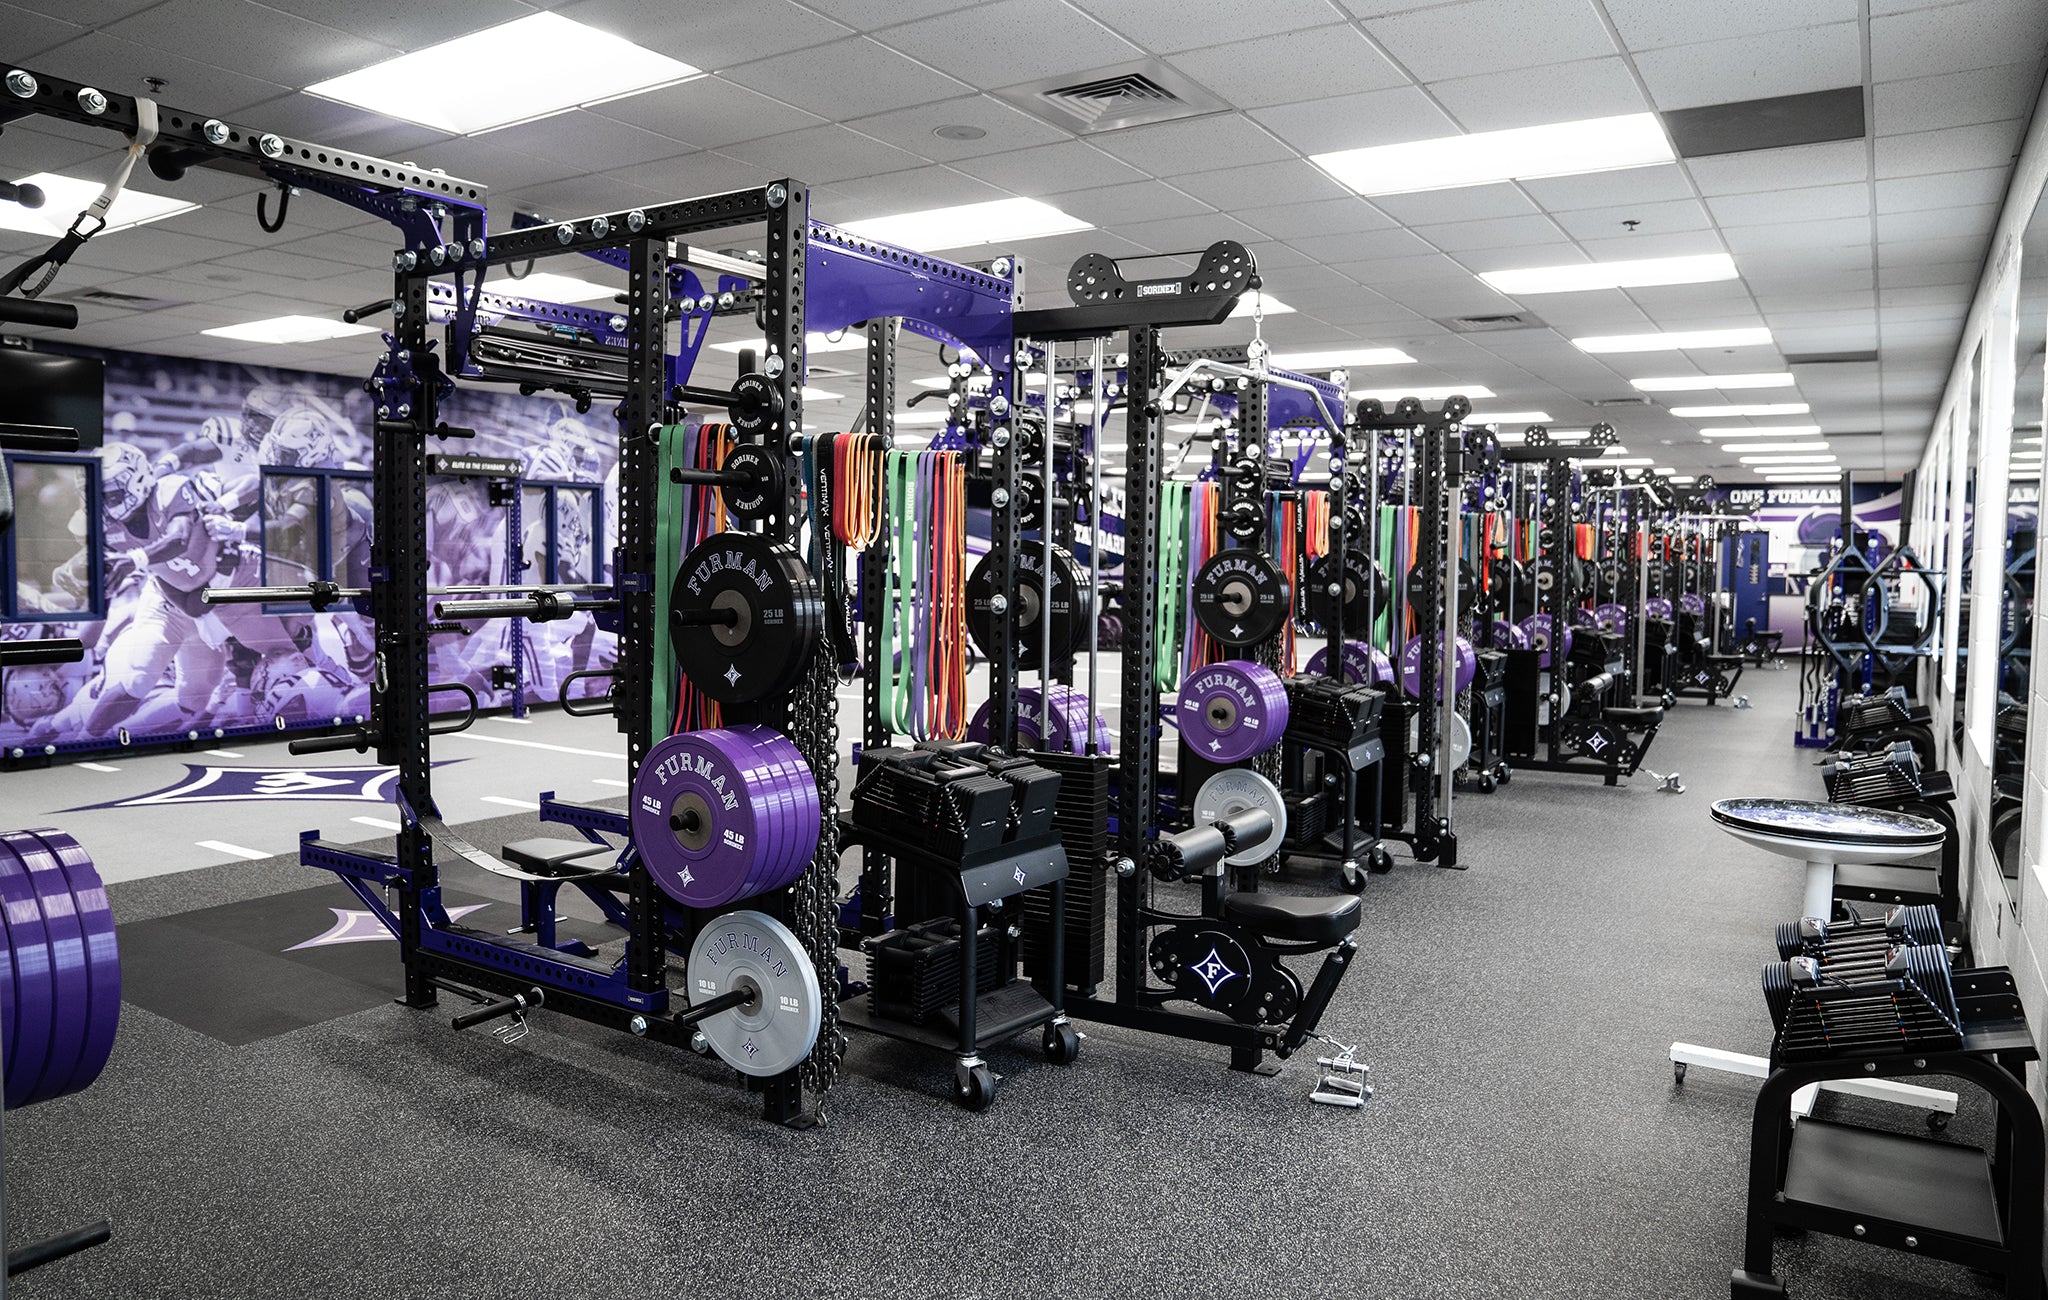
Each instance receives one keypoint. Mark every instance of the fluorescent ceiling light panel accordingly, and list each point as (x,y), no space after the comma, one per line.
(288,329)
(1509,417)
(1597,144)
(1720,412)
(65,198)
(1636,274)
(529,68)
(1424,394)
(1810,445)
(850,341)
(546,286)
(1343,359)
(1697,383)
(1680,478)
(819,395)
(1675,340)
(1743,431)
(1273,307)
(1776,459)
(999,221)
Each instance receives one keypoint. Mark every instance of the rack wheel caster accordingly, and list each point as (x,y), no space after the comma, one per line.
(1062,1043)
(1678,1072)
(1379,861)
(1501,772)
(1351,878)
(1937,1121)
(1487,783)
(1670,700)
(975,1088)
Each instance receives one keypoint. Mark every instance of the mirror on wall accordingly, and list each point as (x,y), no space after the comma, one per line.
(2022,519)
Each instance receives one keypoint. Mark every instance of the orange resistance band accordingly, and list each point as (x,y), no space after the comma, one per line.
(857,495)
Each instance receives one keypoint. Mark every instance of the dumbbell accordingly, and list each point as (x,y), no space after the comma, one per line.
(1899,925)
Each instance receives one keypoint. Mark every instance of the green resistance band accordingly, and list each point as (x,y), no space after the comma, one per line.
(669,529)
(898,708)
(1173,564)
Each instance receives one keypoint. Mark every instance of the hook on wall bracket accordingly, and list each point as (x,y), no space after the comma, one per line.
(284,203)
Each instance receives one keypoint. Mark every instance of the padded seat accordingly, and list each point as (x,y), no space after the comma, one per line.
(1634,719)
(1726,659)
(559,859)
(1288,917)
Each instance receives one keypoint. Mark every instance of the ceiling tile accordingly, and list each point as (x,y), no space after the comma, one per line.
(288,49)
(1012,41)
(872,15)
(823,154)
(1837,232)
(403,26)
(1959,148)
(709,112)
(857,198)
(1289,67)
(1331,217)
(1186,234)
(1113,205)
(1954,99)
(850,78)
(1051,169)
(1501,232)
(1653,219)
(1168,26)
(1290,181)
(1754,67)
(1981,34)
(73,11)
(1906,252)
(1610,189)
(1817,203)
(323,121)
(1381,8)
(1648,24)
(1483,36)
(1938,223)
(113,64)
(1359,246)
(1470,203)
(1565,92)
(1197,144)
(1839,162)
(710,36)
(147,250)
(1005,128)
(1966,272)
(487,156)
(1677,243)
(586,146)
(1949,190)
(28,151)
(1357,121)
(30,33)
(1392,270)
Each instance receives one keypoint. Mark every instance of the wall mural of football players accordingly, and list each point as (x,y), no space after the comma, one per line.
(229,475)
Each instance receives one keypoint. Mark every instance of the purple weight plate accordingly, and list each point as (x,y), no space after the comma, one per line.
(1611,617)
(29,985)
(1657,607)
(70,982)
(1364,665)
(1506,636)
(711,873)
(1692,603)
(785,803)
(1536,628)
(102,955)
(1583,617)
(1232,710)
(1465,666)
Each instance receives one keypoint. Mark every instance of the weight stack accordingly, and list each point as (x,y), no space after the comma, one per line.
(914,973)
(1081,816)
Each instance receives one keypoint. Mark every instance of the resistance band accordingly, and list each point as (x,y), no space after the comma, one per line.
(1172,606)
(1204,539)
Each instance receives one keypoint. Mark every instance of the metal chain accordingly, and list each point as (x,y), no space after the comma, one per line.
(814,724)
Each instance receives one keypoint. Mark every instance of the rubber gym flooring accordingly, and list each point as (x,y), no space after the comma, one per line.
(272,1125)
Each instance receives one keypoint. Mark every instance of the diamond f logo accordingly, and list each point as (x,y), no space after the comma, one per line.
(1214,971)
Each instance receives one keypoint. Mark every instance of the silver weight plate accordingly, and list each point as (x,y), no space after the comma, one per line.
(1234,790)
(1461,741)
(748,948)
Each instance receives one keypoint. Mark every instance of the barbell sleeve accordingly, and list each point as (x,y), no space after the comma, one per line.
(358,739)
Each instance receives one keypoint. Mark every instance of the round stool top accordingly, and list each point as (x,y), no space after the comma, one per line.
(1828,832)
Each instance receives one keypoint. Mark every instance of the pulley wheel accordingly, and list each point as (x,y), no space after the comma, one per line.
(724,814)
(762,498)
(1240,597)
(1364,665)
(744,617)
(1073,606)
(1227,793)
(1233,710)
(753,951)
(1360,576)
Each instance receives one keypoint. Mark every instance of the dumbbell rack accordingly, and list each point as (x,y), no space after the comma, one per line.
(1979,1208)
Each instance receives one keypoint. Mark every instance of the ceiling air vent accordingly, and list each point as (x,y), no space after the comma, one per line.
(1491,324)
(1139,93)
(121,301)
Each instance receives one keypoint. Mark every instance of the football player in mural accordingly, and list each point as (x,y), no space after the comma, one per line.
(180,523)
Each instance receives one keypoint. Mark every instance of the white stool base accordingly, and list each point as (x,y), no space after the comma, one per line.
(1757,1067)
